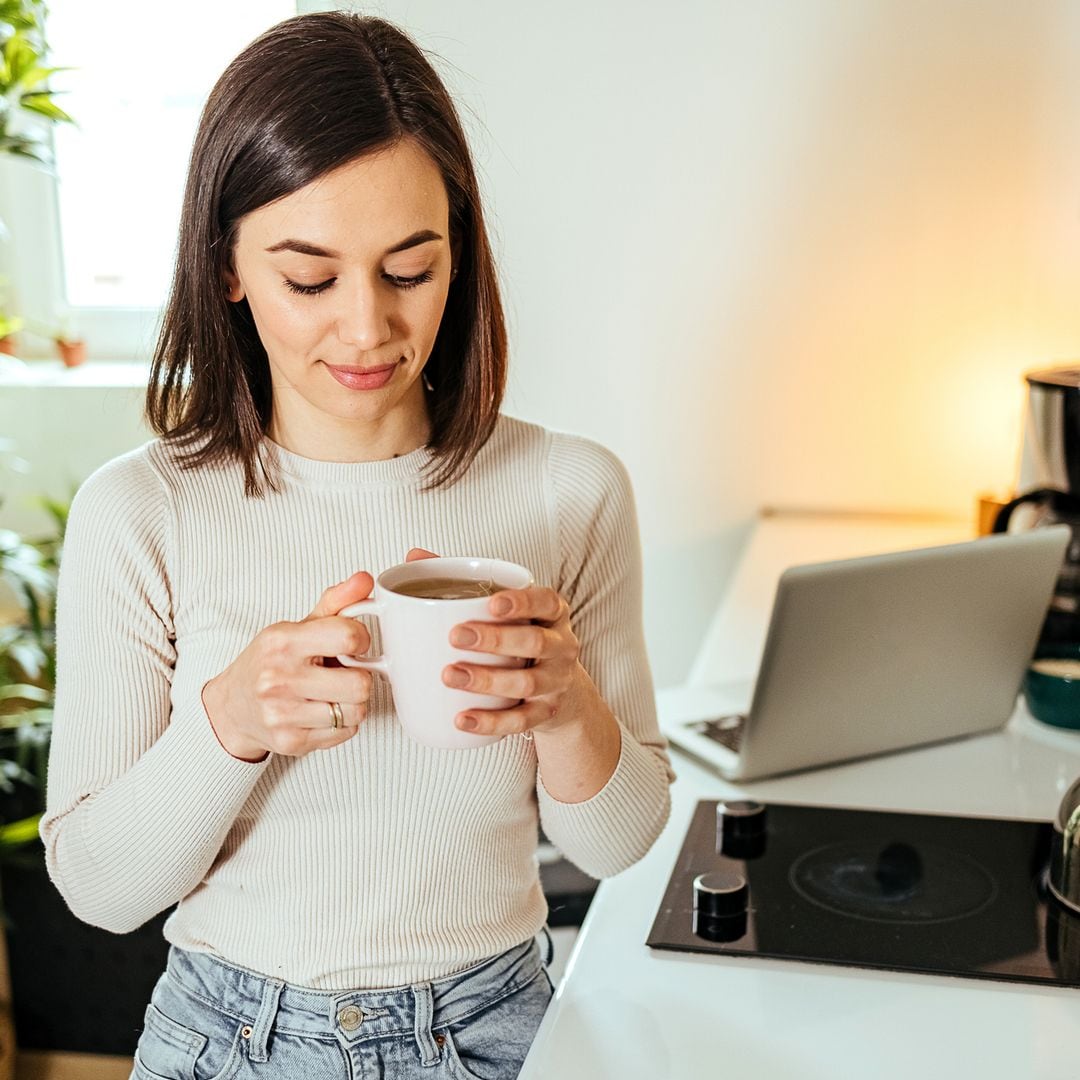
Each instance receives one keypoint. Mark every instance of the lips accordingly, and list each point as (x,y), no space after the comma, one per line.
(361,378)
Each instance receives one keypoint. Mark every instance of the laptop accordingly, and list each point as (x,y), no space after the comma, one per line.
(871,655)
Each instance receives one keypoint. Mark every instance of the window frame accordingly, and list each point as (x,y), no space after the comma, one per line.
(32,261)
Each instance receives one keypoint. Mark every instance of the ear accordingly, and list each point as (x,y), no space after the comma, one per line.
(234,291)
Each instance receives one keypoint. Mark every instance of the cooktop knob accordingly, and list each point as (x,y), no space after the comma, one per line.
(740,828)
(721,900)
(721,894)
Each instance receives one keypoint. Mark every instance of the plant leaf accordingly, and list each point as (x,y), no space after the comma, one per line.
(20,56)
(24,692)
(14,727)
(30,656)
(21,564)
(43,105)
(20,832)
(58,509)
(37,74)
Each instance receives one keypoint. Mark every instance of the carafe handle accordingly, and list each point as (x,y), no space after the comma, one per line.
(1059,502)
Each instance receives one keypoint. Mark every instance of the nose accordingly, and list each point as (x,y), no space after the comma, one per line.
(363,319)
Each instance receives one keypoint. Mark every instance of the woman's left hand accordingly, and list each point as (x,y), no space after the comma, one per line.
(545,687)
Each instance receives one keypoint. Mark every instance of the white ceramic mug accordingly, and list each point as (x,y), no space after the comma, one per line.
(416,645)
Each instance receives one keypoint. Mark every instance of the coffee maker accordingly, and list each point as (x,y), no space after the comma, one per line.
(1049,486)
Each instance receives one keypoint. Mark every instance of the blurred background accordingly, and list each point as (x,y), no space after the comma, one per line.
(783,254)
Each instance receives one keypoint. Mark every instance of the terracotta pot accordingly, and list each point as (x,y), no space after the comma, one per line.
(73,353)
(7,345)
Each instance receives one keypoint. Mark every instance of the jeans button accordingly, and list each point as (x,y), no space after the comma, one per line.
(350,1018)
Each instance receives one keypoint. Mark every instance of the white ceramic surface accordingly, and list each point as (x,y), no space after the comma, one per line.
(415,634)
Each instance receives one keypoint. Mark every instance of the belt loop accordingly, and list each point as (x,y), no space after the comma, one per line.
(258,1050)
(425,1041)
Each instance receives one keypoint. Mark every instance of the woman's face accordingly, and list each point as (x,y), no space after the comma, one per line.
(347,280)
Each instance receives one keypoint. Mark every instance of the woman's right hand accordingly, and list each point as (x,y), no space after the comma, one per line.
(275,694)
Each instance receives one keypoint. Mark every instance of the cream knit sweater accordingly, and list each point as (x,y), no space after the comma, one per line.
(379,862)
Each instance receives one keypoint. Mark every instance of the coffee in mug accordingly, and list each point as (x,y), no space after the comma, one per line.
(447,588)
(417,605)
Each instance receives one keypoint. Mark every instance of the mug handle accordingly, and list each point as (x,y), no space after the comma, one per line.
(370,606)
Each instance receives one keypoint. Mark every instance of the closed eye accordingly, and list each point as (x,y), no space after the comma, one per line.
(410,282)
(397,282)
(308,290)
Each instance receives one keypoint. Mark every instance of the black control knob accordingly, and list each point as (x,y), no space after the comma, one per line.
(721,900)
(721,894)
(740,828)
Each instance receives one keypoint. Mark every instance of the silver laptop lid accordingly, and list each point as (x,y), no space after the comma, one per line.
(874,654)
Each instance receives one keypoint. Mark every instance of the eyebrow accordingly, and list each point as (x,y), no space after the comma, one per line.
(304,248)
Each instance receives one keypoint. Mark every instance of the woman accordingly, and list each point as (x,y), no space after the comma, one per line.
(326,389)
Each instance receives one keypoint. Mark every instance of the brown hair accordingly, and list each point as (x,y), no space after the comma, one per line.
(311,94)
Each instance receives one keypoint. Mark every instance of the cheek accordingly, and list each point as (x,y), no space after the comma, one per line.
(286,322)
(427,318)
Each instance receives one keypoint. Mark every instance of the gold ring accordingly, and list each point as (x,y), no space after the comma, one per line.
(337,718)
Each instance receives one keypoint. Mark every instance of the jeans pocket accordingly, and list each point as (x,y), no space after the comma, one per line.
(170,1050)
(492,1044)
(455,1067)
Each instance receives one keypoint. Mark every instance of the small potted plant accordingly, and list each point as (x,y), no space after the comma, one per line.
(64,333)
(69,342)
(9,326)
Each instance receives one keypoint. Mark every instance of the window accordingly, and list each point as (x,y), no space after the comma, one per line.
(97,241)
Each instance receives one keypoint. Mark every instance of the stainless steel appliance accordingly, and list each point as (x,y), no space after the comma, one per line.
(928,893)
(1049,486)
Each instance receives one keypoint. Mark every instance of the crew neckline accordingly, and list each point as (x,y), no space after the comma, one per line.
(401,469)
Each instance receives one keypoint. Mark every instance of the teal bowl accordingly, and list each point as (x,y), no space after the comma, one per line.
(1054,698)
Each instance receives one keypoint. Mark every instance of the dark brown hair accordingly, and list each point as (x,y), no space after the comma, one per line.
(311,94)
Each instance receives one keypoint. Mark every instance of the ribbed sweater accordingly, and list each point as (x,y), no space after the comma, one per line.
(379,862)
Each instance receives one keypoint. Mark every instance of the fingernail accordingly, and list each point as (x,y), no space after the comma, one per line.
(501,605)
(456,677)
(463,637)
(467,723)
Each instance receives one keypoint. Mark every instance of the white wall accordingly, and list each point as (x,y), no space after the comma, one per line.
(791,253)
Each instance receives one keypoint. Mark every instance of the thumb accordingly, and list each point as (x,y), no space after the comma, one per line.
(342,595)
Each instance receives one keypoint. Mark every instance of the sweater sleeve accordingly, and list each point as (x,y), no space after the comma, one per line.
(140,798)
(597,544)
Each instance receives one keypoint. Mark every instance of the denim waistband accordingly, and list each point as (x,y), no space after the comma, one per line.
(268,1004)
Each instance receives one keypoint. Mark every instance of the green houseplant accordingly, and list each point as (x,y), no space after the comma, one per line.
(46,946)
(28,571)
(27,106)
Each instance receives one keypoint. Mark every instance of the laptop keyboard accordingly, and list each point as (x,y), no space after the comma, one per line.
(726,730)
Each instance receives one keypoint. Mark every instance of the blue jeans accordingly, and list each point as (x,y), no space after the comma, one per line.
(208,1020)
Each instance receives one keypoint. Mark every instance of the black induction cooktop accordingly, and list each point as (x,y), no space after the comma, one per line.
(929,893)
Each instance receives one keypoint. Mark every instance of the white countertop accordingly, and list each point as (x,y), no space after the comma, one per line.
(626,1011)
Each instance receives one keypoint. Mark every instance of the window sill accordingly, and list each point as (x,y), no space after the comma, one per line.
(94,373)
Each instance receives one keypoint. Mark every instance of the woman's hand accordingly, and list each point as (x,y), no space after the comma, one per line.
(547,684)
(276,695)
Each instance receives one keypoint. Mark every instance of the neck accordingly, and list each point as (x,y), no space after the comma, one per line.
(336,439)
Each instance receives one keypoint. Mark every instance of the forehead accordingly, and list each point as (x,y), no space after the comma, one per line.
(368,204)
